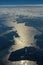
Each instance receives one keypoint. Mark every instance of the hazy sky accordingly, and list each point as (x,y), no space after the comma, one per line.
(13,2)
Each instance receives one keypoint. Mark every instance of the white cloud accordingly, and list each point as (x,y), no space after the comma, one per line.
(32,10)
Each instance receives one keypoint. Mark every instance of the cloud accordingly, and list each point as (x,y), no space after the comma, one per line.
(32,10)
(29,18)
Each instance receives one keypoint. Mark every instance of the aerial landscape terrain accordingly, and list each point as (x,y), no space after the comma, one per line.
(21,35)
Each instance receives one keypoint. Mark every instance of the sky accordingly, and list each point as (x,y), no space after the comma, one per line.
(19,2)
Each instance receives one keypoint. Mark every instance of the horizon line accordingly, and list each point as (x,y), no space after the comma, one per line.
(24,5)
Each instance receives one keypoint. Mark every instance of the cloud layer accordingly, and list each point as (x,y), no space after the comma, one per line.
(20,26)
